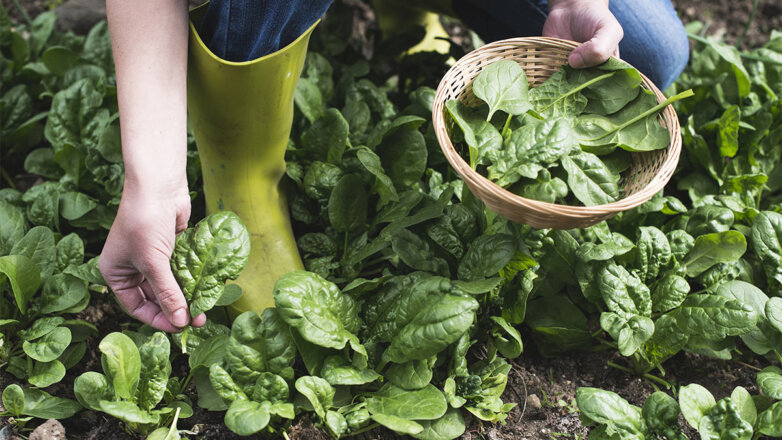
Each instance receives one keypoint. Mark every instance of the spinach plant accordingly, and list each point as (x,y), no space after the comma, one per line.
(135,386)
(42,280)
(739,416)
(23,404)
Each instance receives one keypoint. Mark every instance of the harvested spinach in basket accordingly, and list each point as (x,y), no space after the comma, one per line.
(572,134)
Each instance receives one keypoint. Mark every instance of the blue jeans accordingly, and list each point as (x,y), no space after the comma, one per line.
(242,30)
(654,42)
(654,38)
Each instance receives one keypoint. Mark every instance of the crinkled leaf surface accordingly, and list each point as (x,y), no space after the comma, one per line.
(207,255)
(317,308)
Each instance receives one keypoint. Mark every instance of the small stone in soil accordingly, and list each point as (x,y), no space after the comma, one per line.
(533,402)
(49,430)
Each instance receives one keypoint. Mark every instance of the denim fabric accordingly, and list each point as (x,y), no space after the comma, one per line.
(654,40)
(242,30)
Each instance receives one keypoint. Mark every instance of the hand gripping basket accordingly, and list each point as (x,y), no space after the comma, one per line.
(540,57)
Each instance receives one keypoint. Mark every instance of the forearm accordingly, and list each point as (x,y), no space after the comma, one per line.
(149,40)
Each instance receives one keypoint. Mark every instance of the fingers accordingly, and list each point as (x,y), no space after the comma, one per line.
(138,306)
(199,320)
(167,292)
(600,47)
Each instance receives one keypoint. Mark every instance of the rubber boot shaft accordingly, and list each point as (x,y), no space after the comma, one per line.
(241,114)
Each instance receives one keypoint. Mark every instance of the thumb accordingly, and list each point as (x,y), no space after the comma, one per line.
(599,48)
(167,292)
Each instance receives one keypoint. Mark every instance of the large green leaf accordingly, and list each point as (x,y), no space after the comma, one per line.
(13,400)
(38,245)
(128,412)
(770,382)
(46,373)
(207,255)
(767,242)
(316,307)
(246,417)
(610,410)
(348,204)
(696,402)
(24,276)
(483,140)
(92,387)
(710,249)
(122,364)
(50,346)
(427,403)
(259,344)
(714,316)
(319,393)
(503,85)
(155,370)
(590,180)
(38,403)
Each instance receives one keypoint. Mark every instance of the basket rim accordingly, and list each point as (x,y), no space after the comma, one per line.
(473,178)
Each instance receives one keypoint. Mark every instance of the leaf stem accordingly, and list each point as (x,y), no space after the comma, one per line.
(619,367)
(185,332)
(24,13)
(659,380)
(506,126)
(750,56)
(749,23)
(746,365)
(685,94)
(345,247)
(7,178)
(187,380)
(579,88)
(363,430)
(173,424)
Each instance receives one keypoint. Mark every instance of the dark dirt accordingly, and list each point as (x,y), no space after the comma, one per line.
(727,18)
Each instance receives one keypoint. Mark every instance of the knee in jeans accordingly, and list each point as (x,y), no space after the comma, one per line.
(669,55)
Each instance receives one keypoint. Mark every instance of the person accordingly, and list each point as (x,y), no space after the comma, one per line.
(150,43)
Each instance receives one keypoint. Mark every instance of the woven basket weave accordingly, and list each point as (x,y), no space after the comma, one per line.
(540,57)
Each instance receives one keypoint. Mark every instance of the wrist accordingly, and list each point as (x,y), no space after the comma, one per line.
(155,185)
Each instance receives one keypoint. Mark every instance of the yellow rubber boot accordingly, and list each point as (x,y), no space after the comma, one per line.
(241,113)
(396,16)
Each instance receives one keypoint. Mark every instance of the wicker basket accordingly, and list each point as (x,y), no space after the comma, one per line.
(540,57)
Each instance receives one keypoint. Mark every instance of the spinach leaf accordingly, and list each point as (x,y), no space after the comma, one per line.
(711,249)
(317,309)
(247,417)
(24,276)
(207,255)
(348,204)
(503,85)
(590,180)
(611,412)
(767,243)
(531,148)
(122,364)
(427,403)
(483,139)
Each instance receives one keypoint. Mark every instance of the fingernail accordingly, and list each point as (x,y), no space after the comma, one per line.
(576,60)
(180,318)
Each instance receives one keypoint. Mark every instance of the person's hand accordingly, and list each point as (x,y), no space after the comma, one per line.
(588,22)
(135,258)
